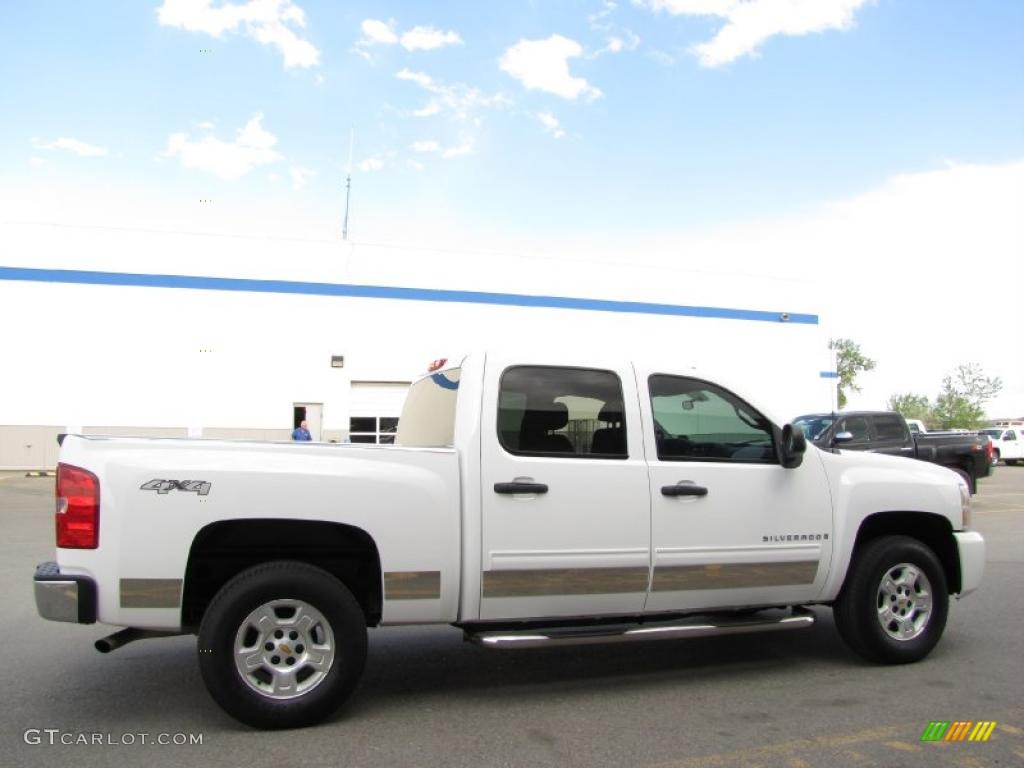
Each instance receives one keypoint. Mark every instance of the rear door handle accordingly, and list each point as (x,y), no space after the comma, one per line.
(520,487)
(684,489)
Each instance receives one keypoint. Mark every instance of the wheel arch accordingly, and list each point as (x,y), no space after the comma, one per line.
(225,548)
(933,530)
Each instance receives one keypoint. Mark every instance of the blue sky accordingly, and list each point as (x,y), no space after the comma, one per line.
(656,139)
(872,149)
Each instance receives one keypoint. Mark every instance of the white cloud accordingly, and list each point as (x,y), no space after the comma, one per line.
(419,38)
(618,39)
(370,164)
(253,147)
(422,79)
(300,176)
(376,32)
(430,108)
(551,124)
(376,162)
(458,99)
(627,41)
(466,148)
(206,125)
(663,58)
(80,148)
(950,232)
(429,146)
(750,22)
(599,19)
(270,22)
(415,165)
(543,65)
(429,38)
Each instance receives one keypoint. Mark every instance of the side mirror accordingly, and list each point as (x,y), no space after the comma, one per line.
(793,446)
(842,437)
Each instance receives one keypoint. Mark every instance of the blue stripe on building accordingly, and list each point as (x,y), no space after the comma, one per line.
(195,282)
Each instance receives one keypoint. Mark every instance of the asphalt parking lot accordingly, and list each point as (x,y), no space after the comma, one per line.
(427,699)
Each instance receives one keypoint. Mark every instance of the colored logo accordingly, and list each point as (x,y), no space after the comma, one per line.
(958,730)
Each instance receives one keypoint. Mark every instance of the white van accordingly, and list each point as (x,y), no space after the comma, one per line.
(1007,442)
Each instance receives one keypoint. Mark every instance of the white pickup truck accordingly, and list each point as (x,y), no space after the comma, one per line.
(528,500)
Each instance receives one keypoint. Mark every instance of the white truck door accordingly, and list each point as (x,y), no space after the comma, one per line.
(565,504)
(1013,442)
(731,526)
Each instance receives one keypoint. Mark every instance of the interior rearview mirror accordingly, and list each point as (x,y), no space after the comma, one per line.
(793,446)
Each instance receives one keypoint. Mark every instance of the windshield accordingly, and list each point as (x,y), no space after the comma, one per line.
(992,432)
(813,426)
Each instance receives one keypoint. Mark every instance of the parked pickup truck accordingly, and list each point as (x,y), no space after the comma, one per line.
(1007,443)
(966,453)
(529,500)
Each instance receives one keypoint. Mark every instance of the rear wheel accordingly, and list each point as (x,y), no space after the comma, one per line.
(1011,462)
(995,458)
(893,606)
(282,645)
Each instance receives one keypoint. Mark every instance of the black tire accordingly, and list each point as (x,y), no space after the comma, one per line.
(857,609)
(995,458)
(336,621)
(972,486)
(1011,462)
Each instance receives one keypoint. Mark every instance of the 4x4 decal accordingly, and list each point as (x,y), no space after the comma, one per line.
(164,486)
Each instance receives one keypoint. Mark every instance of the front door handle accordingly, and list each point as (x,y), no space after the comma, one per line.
(518,486)
(684,489)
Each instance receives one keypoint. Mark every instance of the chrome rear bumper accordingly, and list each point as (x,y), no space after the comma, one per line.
(62,597)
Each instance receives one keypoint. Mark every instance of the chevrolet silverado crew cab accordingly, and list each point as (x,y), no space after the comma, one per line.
(528,500)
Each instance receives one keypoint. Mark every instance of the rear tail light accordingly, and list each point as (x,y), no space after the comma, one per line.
(78,508)
(989,449)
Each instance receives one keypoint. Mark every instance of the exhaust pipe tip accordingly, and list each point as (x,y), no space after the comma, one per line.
(119,638)
(128,635)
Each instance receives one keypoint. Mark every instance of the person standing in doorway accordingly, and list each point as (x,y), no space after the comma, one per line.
(301,432)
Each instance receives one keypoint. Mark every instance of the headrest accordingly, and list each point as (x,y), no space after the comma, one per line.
(611,412)
(551,417)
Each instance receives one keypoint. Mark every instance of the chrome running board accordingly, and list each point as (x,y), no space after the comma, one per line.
(550,636)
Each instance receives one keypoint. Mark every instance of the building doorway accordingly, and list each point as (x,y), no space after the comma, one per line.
(312,414)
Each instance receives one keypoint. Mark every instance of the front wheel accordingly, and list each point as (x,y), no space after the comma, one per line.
(893,607)
(282,645)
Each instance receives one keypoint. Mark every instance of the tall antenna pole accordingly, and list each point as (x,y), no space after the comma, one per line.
(348,182)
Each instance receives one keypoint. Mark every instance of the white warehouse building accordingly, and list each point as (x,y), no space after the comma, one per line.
(116,331)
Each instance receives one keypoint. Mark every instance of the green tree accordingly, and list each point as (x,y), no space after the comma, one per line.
(961,402)
(911,406)
(850,362)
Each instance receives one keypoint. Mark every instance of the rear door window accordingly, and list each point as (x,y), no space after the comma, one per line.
(890,429)
(562,412)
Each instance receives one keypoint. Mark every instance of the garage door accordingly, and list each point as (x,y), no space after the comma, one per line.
(374,408)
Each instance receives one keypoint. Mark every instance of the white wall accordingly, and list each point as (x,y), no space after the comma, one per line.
(136,356)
